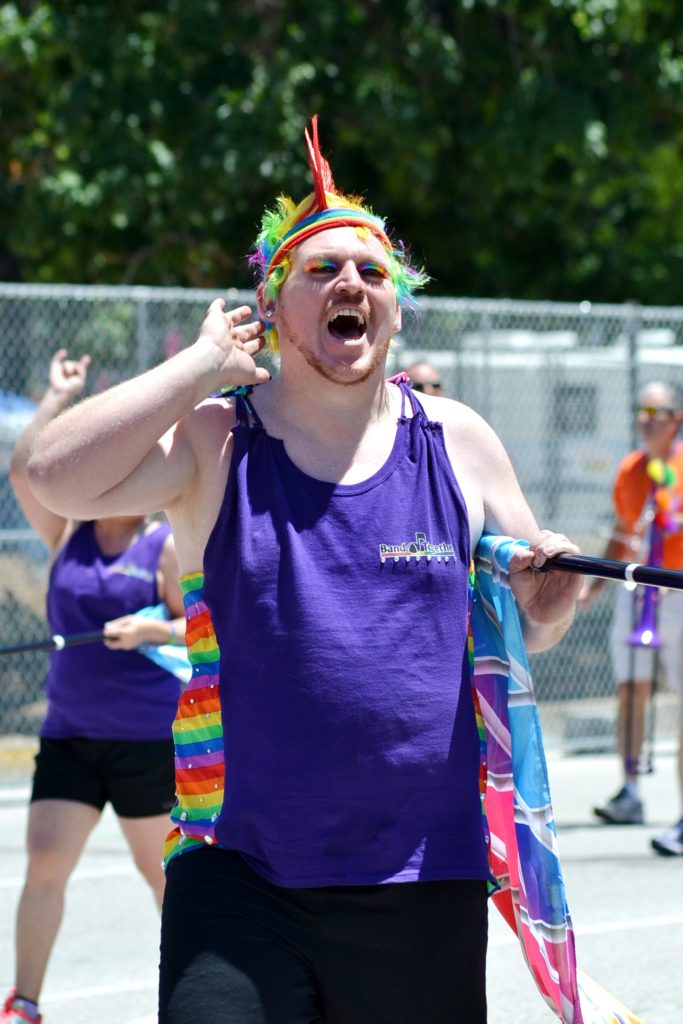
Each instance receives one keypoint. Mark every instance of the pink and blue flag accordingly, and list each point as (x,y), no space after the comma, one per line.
(523,850)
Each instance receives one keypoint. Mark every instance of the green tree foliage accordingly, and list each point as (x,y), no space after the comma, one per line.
(525,148)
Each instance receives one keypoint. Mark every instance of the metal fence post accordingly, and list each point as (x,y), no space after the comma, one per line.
(633,315)
(143,354)
(485,391)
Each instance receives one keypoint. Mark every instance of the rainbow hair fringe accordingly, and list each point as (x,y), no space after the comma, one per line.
(289,223)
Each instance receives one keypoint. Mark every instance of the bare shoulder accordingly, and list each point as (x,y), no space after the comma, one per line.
(448,410)
(203,435)
(471,450)
(209,423)
(464,429)
(483,469)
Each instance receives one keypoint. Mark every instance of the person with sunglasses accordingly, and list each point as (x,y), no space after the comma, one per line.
(424,378)
(648,527)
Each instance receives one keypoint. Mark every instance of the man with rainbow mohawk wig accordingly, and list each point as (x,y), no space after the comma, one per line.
(328,858)
(290,223)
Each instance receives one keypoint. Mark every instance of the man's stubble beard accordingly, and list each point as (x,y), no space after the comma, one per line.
(379,357)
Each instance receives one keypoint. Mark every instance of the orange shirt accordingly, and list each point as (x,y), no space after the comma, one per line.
(633,489)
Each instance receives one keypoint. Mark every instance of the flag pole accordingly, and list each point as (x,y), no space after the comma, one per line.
(626,572)
(56,642)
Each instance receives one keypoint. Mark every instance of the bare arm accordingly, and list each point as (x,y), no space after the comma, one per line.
(67,380)
(120,452)
(546,600)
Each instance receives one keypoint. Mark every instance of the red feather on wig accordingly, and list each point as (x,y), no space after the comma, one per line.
(322,175)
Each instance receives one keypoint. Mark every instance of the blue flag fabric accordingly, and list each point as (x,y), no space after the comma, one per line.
(172,657)
(524,856)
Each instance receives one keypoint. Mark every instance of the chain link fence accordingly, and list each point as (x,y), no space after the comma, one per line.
(558,382)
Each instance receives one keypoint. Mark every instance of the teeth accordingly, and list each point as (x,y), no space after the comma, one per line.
(350,311)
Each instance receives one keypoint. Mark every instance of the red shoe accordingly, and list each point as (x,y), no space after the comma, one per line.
(13,1011)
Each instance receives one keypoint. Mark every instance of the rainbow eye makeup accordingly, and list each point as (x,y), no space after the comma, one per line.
(366,269)
(321,267)
(373,270)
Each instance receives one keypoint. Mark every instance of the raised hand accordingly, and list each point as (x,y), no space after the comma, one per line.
(68,376)
(236,341)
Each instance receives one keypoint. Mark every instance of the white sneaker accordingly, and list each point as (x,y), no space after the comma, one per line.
(622,809)
(670,842)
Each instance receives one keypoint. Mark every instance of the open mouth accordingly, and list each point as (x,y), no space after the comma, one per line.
(347,324)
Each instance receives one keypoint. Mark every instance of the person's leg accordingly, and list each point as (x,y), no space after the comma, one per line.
(232,947)
(669,843)
(402,953)
(633,701)
(626,807)
(57,832)
(633,667)
(675,681)
(139,779)
(66,803)
(145,837)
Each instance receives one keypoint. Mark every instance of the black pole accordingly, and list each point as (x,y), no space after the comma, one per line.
(55,643)
(648,575)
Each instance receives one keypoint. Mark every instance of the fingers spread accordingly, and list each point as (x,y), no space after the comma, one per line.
(252,330)
(235,316)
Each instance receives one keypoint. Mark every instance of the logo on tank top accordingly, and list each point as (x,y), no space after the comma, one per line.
(131,569)
(417,549)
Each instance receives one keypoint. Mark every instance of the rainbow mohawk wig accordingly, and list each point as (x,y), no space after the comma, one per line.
(288,224)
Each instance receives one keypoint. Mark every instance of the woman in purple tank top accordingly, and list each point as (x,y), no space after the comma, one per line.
(328,860)
(106,736)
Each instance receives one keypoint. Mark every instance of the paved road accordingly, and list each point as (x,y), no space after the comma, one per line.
(626,903)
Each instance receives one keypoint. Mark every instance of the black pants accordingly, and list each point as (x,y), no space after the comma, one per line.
(237,950)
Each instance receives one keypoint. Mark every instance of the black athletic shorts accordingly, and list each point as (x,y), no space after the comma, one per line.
(135,776)
(236,949)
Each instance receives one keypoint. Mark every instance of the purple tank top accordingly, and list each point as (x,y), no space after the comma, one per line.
(92,691)
(340,614)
